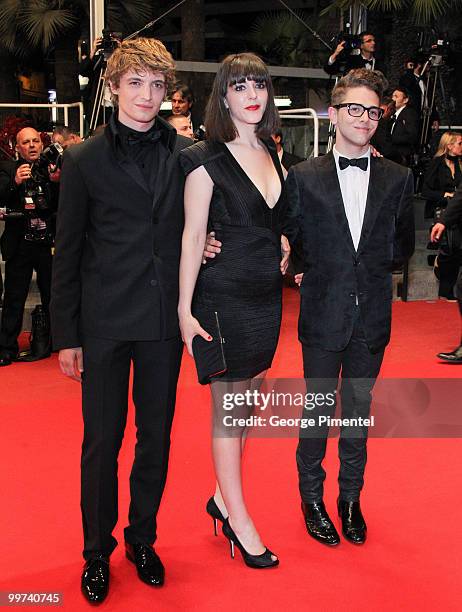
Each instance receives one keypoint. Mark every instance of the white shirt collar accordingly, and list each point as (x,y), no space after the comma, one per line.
(337,154)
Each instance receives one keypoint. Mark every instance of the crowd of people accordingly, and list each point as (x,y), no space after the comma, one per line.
(157,242)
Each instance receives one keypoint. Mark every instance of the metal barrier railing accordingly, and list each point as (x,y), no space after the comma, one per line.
(305,113)
(51,107)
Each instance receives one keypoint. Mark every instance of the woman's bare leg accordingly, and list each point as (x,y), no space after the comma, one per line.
(227,455)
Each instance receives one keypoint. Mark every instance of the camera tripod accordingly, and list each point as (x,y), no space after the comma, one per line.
(433,67)
(98,102)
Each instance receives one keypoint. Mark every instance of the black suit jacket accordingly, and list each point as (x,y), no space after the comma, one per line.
(290,159)
(452,215)
(405,135)
(346,62)
(411,85)
(115,273)
(334,273)
(438,179)
(9,197)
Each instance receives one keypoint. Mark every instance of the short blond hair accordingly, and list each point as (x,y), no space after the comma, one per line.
(140,55)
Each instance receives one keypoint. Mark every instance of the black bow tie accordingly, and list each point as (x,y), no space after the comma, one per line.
(143,138)
(344,162)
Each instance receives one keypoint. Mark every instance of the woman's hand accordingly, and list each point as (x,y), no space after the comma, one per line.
(211,248)
(285,252)
(298,278)
(437,230)
(191,327)
(374,152)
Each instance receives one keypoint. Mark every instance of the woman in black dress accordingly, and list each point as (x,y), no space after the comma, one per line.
(234,187)
(443,176)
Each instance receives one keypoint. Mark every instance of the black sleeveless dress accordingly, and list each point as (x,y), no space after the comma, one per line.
(243,284)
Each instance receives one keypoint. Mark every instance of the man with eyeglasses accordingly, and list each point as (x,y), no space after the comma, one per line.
(353,215)
(341,62)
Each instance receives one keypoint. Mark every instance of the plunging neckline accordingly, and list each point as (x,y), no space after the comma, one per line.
(249,180)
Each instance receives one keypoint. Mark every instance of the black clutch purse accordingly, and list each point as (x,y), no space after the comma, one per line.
(209,355)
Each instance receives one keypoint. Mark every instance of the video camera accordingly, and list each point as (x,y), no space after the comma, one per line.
(51,156)
(439,51)
(352,41)
(109,43)
(36,198)
(36,213)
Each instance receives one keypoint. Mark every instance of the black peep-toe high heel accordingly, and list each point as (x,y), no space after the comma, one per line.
(262,561)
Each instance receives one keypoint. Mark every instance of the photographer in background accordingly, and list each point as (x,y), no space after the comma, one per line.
(65,136)
(30,195)
(182,125)
(343,59)
(182,100)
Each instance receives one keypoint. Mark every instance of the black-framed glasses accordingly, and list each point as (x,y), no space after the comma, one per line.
(357,110)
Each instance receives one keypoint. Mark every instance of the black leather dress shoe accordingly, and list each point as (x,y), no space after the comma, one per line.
(149,566)
(95,579)
(318,523)
(454,356)
(353,524)
(5,360)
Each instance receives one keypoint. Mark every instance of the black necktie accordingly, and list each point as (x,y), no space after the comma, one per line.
(140,138)
(344,162)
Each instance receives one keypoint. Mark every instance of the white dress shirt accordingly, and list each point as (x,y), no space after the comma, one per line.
(354,185)
(396,115)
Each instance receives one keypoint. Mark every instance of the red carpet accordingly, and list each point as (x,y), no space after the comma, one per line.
(411,501)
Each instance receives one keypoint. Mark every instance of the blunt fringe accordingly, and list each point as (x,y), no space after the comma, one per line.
(361,77)
(238,68)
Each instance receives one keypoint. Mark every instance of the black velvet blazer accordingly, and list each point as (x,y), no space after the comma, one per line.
(334,272)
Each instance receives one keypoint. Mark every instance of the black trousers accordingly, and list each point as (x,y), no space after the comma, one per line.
(29,256)
(449,265)
(359,368)
(459,290)
(105,383)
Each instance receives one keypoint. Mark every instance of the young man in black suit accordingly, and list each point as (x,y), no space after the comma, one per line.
(114,303)
(354,216)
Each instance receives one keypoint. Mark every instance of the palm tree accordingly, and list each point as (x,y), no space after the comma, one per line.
(421,12)
(54,26)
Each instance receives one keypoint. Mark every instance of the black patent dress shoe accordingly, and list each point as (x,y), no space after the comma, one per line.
(454,356)
(5,360)
(95,579)
(148,565)
(318,523)
(353,524)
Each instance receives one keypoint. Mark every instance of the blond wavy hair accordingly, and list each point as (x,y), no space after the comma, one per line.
(140,55)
